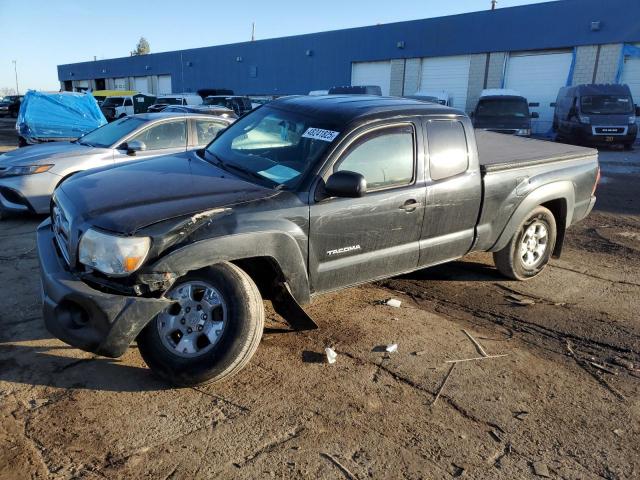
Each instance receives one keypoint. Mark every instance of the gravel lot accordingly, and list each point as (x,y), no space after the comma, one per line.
(562,403)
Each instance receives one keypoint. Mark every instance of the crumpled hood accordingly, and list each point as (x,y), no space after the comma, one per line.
(126,198)
(45,153)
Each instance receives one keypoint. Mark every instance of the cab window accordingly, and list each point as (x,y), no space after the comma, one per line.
(448,151)
(385,157)
(206,130)
(164,135)
(128,102)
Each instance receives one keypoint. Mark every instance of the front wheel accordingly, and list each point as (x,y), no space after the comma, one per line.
(530,248)
(210,332)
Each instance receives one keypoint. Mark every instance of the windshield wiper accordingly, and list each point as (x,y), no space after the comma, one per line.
(242,170)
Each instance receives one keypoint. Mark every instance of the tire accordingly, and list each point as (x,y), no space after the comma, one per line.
(238,338)
(517,261)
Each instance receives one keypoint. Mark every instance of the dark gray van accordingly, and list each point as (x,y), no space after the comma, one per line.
(596,115)
(503,111)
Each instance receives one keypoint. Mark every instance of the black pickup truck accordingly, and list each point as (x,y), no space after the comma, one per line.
(301,196)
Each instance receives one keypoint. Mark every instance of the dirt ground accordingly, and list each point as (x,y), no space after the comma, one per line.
(562,403)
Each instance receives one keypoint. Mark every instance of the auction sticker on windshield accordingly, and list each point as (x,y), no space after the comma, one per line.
(320,134)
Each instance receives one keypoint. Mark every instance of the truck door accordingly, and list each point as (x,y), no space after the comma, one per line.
(454,192)
(353,240)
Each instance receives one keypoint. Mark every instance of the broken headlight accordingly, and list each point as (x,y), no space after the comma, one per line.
(112,254)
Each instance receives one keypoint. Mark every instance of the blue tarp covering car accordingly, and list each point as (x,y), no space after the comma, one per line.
(51,117)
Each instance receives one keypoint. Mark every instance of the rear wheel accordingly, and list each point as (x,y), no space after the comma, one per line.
(530,248)
(210,332)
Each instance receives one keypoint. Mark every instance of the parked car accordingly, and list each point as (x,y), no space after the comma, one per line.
(10,105)
(212,92)
(356,90)
(29,175)
(102,95)
(216,110)
(503,111)
(434,96)
(56,117)
(315,93)
(302,196)
(175,99)
(121,106)
(596,115)
(237,103)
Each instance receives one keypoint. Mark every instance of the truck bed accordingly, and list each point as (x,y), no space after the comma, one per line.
(497,151)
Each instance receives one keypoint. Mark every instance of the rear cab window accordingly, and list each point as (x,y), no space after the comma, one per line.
(448,148)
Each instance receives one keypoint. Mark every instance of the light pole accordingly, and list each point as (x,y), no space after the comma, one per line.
(15,69)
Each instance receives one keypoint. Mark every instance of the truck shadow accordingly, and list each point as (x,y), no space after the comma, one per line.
(47,366)
(458,271)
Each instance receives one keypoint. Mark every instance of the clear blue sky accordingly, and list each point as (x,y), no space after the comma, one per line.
(41,34)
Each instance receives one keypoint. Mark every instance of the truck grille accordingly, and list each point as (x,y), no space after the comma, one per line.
(60,226)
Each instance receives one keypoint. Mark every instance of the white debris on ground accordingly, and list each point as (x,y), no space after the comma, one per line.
(392,348)
(331,355)
(394,302)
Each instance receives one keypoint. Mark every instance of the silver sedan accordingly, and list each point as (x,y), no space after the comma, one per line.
(29,175)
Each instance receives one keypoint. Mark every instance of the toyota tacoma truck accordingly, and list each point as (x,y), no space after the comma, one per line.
(302,196)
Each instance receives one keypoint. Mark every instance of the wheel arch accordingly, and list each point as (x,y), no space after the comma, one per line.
(269,258)
(558,197)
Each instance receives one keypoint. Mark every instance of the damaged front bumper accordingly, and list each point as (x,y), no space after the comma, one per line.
(82,316)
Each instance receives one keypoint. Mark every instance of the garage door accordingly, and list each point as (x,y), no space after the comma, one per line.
(140,84)
(538,77)
(372,73)
(82,85)
(164,84)
(450,74)
(121,83)
(631,76)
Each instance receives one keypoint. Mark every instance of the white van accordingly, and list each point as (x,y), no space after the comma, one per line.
(129,103)
(175,99)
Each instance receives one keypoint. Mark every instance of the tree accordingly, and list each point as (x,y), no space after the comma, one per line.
(4,91)
(142,48)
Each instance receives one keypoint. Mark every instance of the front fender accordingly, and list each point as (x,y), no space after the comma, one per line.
(563,190)
(279,246)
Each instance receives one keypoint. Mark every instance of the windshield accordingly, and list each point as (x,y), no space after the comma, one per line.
(503,107)
(113,102)
(112,133)
(274,146)
(169,101)
(606,104)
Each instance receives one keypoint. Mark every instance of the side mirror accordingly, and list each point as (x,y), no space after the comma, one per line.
(471,114)
(572,113)
(346,184)
(535,115)
(637,111)
(134,146)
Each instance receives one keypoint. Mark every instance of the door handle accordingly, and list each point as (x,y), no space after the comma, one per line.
(410,205)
